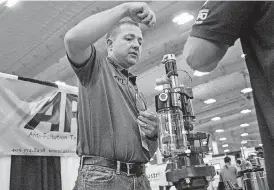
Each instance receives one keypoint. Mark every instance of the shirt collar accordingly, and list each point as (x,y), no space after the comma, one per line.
(125,72)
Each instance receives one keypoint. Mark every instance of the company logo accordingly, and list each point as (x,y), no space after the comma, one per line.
(49,115)
(201,16)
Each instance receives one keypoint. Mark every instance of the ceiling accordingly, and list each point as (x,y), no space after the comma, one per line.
(32,34)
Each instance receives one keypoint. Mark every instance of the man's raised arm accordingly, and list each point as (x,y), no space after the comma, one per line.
(79,39)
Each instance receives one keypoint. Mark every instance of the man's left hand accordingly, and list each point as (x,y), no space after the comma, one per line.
(149,123)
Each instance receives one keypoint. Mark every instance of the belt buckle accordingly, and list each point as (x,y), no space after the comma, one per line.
(82,158)
(129,167)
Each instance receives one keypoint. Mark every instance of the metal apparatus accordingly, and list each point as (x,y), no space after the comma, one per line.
(255,179)
(183,149)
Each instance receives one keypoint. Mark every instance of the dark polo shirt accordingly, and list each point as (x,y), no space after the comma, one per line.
(107,113)
(253,23)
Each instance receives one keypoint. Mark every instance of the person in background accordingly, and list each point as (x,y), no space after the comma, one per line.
(244,164)
(116,135)
(218,25)
(229,173)
(260,152)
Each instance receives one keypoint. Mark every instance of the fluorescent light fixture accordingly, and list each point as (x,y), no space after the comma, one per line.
(199,74)
(244,125)
(246,90)
(219,130)
(159,88)
(225,145)
(243,55)
(60,83)
(244,134)
(183,18)
(243,142)
(226,150)
(260,144)
(11,3)
(215,118)
(222,139)
(210,101)
(245,111)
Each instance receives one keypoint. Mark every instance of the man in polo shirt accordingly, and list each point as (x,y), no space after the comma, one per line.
(229,173)
(216,28)
(116,135)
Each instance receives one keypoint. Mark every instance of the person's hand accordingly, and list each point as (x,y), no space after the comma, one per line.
(141,13)
(149,123)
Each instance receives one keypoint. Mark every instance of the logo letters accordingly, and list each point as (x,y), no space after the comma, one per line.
(201,16)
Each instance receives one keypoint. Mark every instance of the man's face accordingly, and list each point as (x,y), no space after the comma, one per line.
(126,46)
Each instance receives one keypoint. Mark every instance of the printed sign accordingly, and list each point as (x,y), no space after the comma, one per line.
(36,119)
(156,175)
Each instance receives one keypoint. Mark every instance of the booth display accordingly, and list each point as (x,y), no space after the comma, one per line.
(183,148)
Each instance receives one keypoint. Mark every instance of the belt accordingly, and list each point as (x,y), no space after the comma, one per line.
(131,169)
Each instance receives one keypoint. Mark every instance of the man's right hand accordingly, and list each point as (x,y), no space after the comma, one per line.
(141,13)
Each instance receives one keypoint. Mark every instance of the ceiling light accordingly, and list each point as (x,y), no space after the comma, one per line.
(243,55)
(210,101)
(222,139)
(243,142)
(246,90)
(215,118)
(10,3)
(204,143)
(260,144)
(244,125)
(60,83)
(219,130)
(226,150)
(199,74)
(246,111)
(159,88)
(225,145)
(244,134)
(183,18)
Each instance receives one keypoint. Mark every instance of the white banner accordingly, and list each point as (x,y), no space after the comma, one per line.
(36,119)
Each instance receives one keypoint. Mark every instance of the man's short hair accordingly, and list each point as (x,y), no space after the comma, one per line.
(239,162)
(116,28)
(227,159)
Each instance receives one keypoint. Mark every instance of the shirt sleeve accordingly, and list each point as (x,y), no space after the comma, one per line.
(221,177)
(87,70)
(222,21)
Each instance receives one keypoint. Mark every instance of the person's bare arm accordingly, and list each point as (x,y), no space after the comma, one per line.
(218,25)
(203,55)
(79,39)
